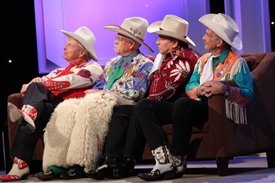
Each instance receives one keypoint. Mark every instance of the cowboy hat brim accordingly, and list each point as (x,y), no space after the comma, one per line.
(83,42)
(124,32)
(155,28)
(207,21)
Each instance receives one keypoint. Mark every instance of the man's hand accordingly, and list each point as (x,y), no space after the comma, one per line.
(95,91)
(24,88)
(201,91)
(37,80)
(210,88)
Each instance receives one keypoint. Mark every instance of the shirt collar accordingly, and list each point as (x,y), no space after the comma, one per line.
(130,57)
(178,52)
(79,61)
(222,56)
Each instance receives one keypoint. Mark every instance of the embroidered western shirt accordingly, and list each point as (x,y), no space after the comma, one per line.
(127,76)
(168,82)
(225,67)
(72,81)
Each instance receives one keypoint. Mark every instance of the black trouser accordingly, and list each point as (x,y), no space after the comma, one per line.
(150,115)
(186,114)
(25,141)
(118,127)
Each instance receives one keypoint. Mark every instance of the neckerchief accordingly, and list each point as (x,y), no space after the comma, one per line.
(118,69)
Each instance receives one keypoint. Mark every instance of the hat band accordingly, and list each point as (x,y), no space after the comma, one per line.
(141,40)
(171,32)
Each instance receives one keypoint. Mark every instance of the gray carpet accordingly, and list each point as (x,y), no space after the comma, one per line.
(249,169)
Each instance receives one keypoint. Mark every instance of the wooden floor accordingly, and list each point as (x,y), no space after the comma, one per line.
(248,169)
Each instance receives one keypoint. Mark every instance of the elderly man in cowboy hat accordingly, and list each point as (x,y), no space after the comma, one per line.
(171,71)
(42,94)
(82,123)
(208,78)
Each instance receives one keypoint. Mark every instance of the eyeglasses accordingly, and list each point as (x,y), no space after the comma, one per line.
(121,39)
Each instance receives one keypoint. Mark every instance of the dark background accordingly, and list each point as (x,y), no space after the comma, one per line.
(18,43)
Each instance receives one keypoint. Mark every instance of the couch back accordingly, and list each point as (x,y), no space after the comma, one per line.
(260,111)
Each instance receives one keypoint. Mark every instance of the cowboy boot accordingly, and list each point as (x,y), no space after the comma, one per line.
(28,113)
(128,165)
(74,172)
(163,165)
(114,167)
(52,172)
(108,169)
(180,163)
(19,171)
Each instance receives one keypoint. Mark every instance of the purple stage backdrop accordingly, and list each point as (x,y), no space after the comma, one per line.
(54,15)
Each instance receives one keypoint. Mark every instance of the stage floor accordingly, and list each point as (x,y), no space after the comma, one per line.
(245,169)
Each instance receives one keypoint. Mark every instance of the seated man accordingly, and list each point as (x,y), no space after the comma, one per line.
(42,94)
(82,123)
(171,71)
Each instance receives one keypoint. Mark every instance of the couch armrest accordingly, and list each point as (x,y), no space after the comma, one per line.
(218,125)
(16,99)
(220,133)
(227,139)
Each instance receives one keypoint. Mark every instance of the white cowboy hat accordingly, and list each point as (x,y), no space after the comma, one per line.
(133,28)
(225,27)
(172,26)
(85,37)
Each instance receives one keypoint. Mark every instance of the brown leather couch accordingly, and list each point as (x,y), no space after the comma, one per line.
(220,138)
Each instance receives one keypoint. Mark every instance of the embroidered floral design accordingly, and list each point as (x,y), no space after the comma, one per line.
(84,73)
(100,76)
(134,81)
(182,70)
(126,64)
(140,75)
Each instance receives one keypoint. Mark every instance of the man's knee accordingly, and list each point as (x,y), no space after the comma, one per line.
(183,103)
(36,85)
(143,106)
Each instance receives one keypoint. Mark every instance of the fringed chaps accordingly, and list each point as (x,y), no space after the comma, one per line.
(76,131)
(236,112)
